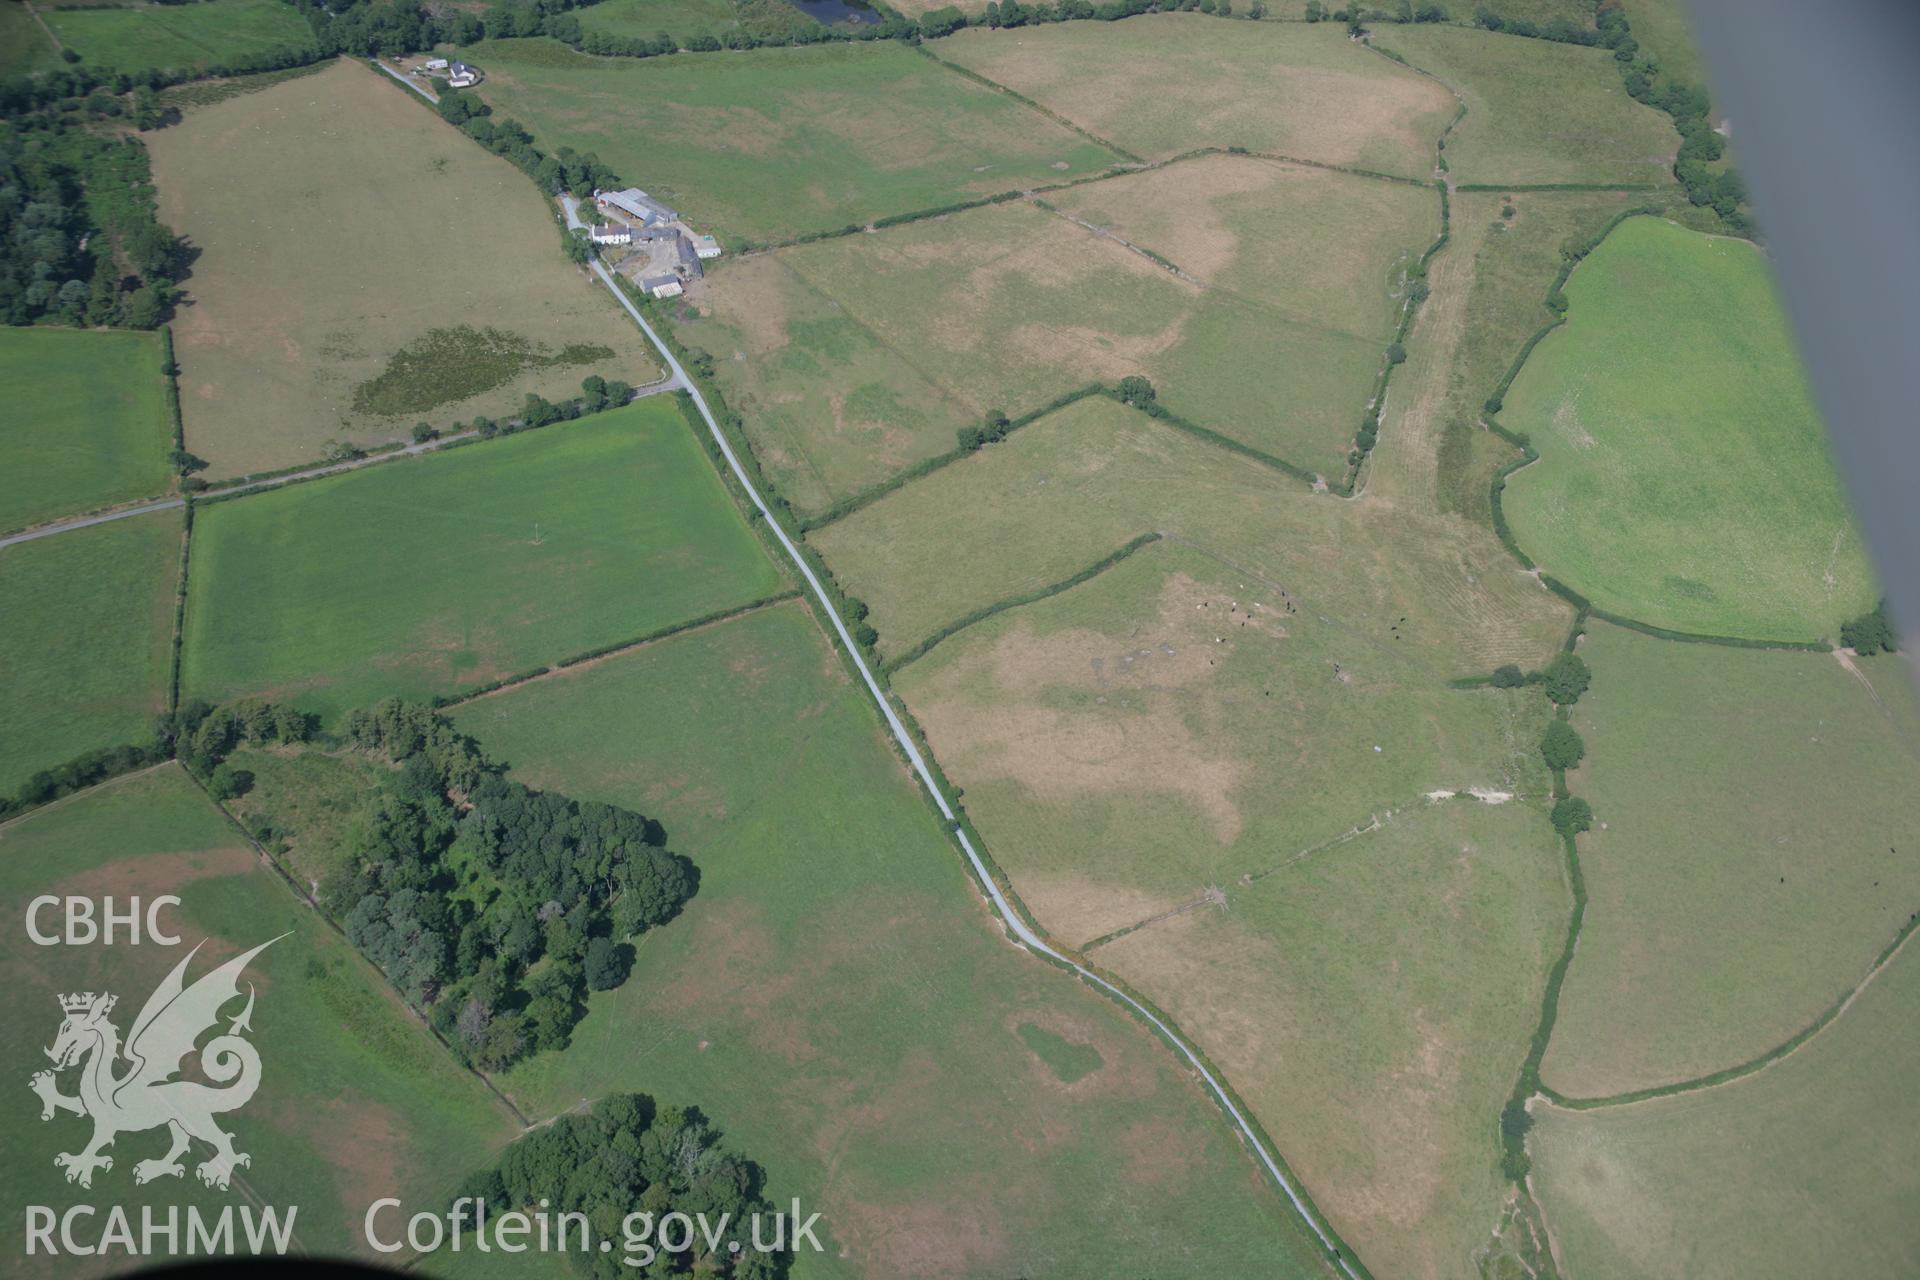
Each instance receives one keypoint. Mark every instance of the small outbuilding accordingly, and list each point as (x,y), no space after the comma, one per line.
(663,286)
(436,64)
(706,247)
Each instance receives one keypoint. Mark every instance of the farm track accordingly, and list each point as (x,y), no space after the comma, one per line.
(1013,920)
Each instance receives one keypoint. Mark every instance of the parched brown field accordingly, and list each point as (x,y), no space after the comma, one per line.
(852,358)
(1065,492)
(338,221)
(1371,1004)
(1164,84)
(1229,792)
(1180,723)
(1318,246)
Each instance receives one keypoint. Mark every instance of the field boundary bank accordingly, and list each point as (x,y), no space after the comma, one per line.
(1021,98)
(178,642)
(752,248)
(1002,902)
(985,612)
(1753,1066)
(848,506)
(619,649)
(1556,301)
(1360,452)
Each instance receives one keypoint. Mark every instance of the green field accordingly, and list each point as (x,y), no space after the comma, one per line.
(1176,723)
(357,1101)
(1538,111)
(87,629)
(319,803)
(178,38)
(1803,1170)
(356,307)
(837,1000)
(24,47)
(785,141)
(1662,31)
(437,573)
(1063,493)
(1371,1004)
(86,423)
(683,20)
(1164,84)
(935,323)
(1541,12)
(1745,877)
(1684,477)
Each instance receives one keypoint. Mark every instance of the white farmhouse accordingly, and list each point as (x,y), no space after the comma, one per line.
(610,233)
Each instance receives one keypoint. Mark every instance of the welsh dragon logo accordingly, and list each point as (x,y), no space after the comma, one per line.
(148,1093)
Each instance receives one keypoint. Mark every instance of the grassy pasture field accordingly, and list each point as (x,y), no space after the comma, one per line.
(837,1001)
(1317,246)
(320,802)
(1538,111)
(685,19)
(1012,306)
(1164,84)
(1684,477)
(139,37)
(1746,875)
(830,406)
(341,308)
(1063,493)
(1371,1004)
(87,630)
(437,573)
(86,423)
(357,1101)
(1663,32)
(24,47)
(1176,723)
(784,141)
(1541,12)
(1797,1171)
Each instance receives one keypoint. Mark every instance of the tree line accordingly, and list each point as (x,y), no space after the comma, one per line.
(81,242)
(1687,104)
